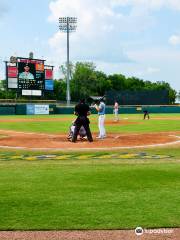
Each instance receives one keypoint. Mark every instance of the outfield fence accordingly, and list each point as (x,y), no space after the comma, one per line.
(21,108)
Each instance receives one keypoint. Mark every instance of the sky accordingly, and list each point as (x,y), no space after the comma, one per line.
(138,38)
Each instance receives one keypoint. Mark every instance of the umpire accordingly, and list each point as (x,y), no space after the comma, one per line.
(82,110)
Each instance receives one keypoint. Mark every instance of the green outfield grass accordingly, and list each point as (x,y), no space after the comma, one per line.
(90,194)
(90,190)
(157,123)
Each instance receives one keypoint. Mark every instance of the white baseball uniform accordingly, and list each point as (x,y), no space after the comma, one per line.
(101,119)
(116,110)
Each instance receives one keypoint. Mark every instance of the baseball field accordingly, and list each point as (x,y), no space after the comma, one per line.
(129,179)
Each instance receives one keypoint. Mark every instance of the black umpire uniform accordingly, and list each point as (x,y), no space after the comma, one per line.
(82,110)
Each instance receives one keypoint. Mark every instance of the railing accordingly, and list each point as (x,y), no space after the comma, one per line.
(18,101)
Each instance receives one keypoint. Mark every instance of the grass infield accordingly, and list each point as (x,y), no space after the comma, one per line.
(91,193)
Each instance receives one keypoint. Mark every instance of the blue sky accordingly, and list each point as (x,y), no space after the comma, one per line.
(134,37)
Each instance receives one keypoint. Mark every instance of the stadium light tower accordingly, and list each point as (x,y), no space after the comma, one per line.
(68,25)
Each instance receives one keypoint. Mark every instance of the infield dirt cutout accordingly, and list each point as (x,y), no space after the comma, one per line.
(28,140)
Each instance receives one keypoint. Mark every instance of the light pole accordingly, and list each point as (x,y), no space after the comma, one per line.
(68,25)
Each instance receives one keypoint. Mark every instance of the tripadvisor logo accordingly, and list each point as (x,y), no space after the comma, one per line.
(139,231)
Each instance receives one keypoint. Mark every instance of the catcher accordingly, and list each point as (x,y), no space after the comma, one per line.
(82,132)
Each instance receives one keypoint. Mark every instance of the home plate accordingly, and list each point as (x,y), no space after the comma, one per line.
(116,137)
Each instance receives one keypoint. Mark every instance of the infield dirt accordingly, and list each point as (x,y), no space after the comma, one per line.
(59,141)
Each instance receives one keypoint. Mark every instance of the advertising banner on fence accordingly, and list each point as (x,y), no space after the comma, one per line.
(41,109)
(32,109)
(29,109)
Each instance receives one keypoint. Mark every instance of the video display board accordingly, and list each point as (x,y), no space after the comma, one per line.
(31,76)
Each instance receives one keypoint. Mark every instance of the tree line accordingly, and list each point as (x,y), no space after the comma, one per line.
(87,81)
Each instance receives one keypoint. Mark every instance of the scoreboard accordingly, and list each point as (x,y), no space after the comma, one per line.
(30,76)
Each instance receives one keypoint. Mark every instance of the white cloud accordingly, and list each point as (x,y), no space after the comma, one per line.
(154,54)
(99,27)
(155,64)
(148,4)
(174,40)
(3,8)
(98,18)
(152,70)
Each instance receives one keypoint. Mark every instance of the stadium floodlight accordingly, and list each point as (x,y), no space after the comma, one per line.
(68,25)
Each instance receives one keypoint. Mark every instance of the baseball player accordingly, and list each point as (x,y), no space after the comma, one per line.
(82,132)
(146,113)
(101,112)
(116,109)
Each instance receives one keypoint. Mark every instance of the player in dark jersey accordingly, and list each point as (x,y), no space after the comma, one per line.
(146,113)
(82,110)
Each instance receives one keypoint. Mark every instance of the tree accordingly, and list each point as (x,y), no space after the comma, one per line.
(60,90)
(178,96)
(103,83)
(63,69)
(117,82)
(84,80)
(171,92)
(134,84)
